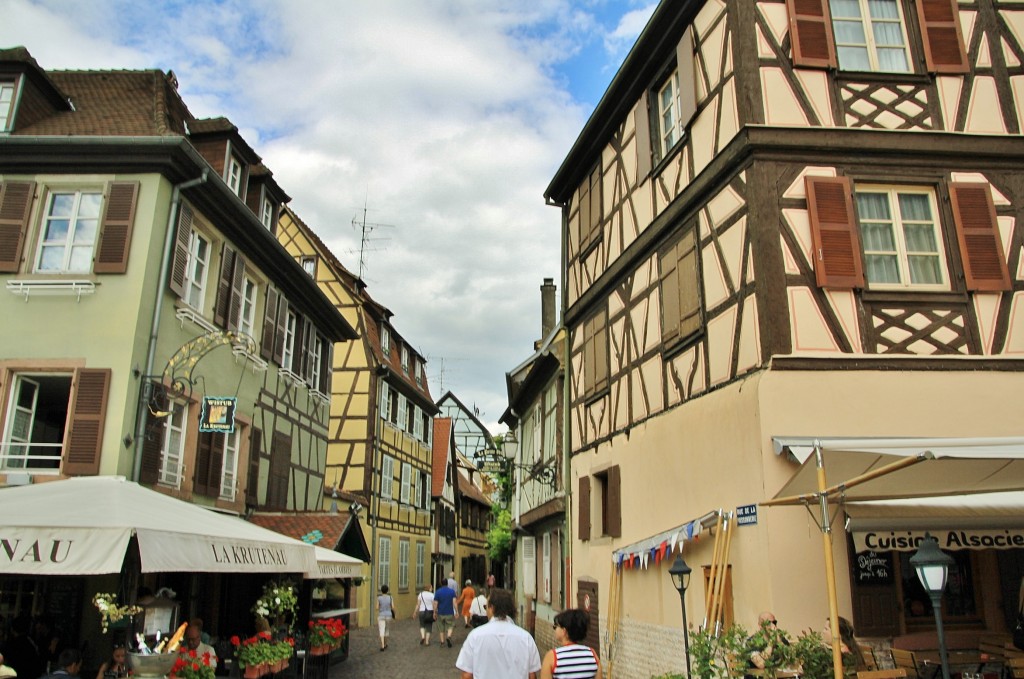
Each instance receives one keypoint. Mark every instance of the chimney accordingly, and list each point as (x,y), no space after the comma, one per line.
(547,307)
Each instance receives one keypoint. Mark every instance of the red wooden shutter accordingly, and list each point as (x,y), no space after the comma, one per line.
(15,207)
(269,324)
(237,293)
(944,50)
(252,483)
(837,255)
(978,233)
(116,230)
(642,120)
(181,237)
(613,498)
(584,508)
(223,302)
(84,438)
(810,32)
(153,443)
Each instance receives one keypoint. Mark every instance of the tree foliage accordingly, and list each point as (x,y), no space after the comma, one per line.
(499,537)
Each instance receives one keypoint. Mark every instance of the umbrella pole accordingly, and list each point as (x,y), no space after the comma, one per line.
(830,566)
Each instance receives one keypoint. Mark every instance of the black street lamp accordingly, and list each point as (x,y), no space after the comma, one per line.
(680,573)
(932,566)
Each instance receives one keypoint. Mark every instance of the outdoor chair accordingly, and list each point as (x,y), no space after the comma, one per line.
(898,673)
(868,654)
(1015,667)
(906,660)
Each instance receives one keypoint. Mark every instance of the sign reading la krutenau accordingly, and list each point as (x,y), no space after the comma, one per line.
(218,414)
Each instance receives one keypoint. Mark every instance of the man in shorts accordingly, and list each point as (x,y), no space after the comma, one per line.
(444,606)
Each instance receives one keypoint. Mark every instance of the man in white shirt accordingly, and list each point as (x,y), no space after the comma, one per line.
(500,649)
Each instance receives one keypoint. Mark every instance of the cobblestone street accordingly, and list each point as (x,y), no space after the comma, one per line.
(404,656)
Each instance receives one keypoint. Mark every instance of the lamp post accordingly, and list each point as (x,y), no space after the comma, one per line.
(680,573)
(932,566)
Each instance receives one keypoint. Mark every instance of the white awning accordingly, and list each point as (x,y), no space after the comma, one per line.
(82,526)
(960,465)
(331,564)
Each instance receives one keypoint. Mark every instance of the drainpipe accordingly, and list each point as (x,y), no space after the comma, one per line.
(165,265)
(567,486)
(374,498)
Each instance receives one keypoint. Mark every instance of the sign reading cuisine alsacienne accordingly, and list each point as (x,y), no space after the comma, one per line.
(966,538)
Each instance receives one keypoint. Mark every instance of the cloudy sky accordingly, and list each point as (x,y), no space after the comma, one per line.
(443,119)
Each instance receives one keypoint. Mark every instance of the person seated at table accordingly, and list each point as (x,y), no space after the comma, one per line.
(848,645)
(116,665)
(194,641)
(764,648)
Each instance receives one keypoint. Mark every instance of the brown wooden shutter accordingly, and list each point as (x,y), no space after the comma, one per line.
(84,438)
(269,324)
(977,230)
(209,460)
(237,293)
(15,208)
(944,50)
(252,483)
(642,120)
(837,254)
(613,498)
(280,468)
(584,508)
(689,284)
(669,261)
(810,32)
(179,265)
(282,333)
(601,351)
(223,303)
(116,229)
(687,77)
(153,442)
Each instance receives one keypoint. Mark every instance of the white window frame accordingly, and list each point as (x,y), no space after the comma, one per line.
(417,372)
(403,412)
(309,266)
(234,175)
(406,482)
(866,23)
(417,423)
(247,309)
(229,465)
(22,443)
(385,402)
(172,461)
(901,252)
(414,488)
(75,221)
(8,95)
(318,353)
(421,552)
(387,476)
(546,566)
(403,564)
(384,561)
(196,271)
(670,133)
(267,213)
(288,353)
(405,359)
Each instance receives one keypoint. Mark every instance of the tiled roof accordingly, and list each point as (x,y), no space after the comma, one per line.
(205,125)
(442,454)
(316,528)
(469,489)
(114,103)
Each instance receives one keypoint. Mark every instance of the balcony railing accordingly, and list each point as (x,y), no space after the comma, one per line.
(30,458)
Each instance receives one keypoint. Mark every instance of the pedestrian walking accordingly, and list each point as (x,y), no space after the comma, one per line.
(444,605)
(500,649)
(478,610)
(570,659)
(465,601)
(385,613)
(425,613)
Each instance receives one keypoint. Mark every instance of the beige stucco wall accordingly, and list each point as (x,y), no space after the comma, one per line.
(716,452)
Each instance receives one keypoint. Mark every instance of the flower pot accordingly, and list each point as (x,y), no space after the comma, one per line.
(251,672)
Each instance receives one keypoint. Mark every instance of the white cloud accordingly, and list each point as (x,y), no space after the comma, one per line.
(447,118)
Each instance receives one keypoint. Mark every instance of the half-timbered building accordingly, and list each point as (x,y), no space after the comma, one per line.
(785,218)
(379,435)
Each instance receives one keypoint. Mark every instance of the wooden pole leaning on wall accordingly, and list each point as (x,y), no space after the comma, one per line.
(614,612)
(709,596)
(718,616)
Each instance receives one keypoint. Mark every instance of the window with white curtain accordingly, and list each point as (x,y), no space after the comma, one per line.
(870,35)
(900,236)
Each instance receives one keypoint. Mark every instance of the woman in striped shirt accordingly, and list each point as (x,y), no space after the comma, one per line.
(570,659)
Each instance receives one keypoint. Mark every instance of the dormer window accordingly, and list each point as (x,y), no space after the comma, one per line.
(405,359)
(234,177)
(267,214)
(309,266)
(6,105)
(385,341)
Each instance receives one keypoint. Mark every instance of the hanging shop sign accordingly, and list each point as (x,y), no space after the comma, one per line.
(218,414)
(910,540)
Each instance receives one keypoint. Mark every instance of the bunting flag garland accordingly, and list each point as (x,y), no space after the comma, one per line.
(656,549)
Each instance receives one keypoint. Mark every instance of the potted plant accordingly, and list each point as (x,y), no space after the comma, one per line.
(283,650)
(719,657)
(191,665)
(254,654)
(111,614)
(325,635)
(278,603)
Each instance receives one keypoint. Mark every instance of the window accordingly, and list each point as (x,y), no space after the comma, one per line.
(428,430)
(417,423)
(414,488)
(385,341)
(546,567)
(669,117)
(417,372)
(387,477)
(405,359)
(36,419)
(234,176)
(609,497)
(229,468)
(315,360)
(384,562)
(173,447)
(247,310)
(68,234)
(279,476)
(680,288)
(403,413)
(267,214)
(595,353)
(590,209)
(309,266)
(6,105)
(196,271)
(403,565)
(288,353)
(385,402)
(410,425)
(421,551)
(900,236)
(870,35)
(406,481)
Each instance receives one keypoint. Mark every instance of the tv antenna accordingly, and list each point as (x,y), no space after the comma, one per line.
(443,370)
(366,243)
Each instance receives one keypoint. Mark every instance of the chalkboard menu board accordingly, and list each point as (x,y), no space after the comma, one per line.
(64,605)
(873,568)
